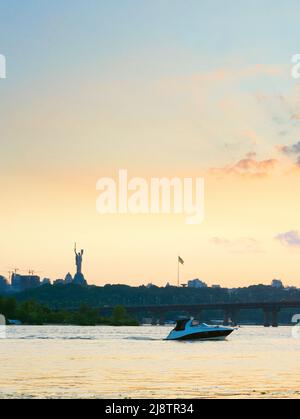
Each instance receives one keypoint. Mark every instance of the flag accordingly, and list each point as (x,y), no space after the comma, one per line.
(180,260)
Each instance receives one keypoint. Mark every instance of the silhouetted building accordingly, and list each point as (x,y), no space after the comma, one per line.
(24,282)
(46,281)
(68,279)
(196,283)
(3,284)
(276,283)
(59,282)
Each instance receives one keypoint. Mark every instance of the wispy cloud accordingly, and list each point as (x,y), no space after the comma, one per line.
(249,165)
(293,150)
(290,238)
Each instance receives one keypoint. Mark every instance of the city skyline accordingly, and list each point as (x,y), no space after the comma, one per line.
(36,277)
(163,89)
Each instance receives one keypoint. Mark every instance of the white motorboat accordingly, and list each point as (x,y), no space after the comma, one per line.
(188,329)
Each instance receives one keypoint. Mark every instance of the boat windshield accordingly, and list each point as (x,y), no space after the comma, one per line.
(181,325)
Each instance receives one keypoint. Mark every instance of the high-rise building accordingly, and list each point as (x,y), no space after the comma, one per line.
(24,282)
(3,284)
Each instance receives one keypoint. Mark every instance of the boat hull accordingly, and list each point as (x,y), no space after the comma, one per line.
(186,329)
(209,335)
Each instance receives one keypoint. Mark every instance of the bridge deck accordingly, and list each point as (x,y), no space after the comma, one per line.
(275,305)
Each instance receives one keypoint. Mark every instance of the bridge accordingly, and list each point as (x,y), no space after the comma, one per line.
(230,310)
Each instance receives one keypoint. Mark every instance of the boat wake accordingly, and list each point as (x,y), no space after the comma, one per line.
(141,338)
(54,338)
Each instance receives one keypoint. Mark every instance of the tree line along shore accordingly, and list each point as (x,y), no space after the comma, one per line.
(73,304)
(32,313)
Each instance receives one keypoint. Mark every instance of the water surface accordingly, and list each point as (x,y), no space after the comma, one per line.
(109,362)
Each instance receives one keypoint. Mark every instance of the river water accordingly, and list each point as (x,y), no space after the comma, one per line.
(109,362)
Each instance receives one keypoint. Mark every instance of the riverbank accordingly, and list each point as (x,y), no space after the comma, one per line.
(35,314)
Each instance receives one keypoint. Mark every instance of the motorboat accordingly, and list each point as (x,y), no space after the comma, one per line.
(188,329)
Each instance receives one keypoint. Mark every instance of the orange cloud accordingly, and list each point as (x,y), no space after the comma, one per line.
(248,166)
(291,151)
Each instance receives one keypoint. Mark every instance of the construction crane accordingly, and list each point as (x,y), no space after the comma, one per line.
(7,272)
(14,270)
(11,272)
(31,272)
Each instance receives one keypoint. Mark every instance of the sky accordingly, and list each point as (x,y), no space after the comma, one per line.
(168,88)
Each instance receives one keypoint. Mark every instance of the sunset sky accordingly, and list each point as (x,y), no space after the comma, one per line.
(161,88)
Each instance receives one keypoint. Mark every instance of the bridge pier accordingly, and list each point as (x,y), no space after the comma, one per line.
(154,321)
(271,317)
(159,321)
(267,320)
(275,318)
(226,318)
(231,317)
(162,320)
(234,317)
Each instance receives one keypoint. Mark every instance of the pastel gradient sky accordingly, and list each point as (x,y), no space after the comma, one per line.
(161,88)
